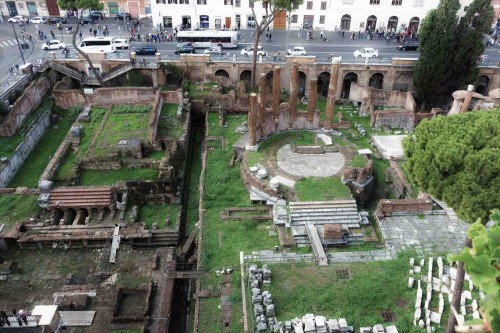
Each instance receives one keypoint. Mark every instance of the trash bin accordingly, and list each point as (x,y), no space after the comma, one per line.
(25,46)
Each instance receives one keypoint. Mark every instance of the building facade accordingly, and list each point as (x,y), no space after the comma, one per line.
(349,15)
(29,8)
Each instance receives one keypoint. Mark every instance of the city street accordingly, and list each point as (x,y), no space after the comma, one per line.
(336,45)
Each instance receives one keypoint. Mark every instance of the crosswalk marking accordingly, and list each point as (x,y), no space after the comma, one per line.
(11,42)
(5,43)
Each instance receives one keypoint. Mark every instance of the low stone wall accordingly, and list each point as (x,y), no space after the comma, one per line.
(370,97)
(24,149)
(29,101)
(401,118)
(155,117)
(172,97)
(104,96)
(388,207)
(358,175)
(55,162)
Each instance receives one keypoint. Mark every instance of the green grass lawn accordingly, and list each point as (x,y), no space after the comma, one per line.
(374,287)
(318,189)
(159,213)
(193,178)
(29,174)
(110,177)
(358,161)
(169,126)
(14,208)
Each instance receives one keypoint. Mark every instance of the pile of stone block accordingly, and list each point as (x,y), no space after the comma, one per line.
(258,171)
(262,301)
(442,282)
(317,324)
(360,129)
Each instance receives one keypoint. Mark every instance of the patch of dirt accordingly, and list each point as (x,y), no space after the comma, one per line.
(219,239)
(225,316)
(401,303)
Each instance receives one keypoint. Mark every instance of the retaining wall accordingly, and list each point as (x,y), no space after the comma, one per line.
(103,96)
(24,149)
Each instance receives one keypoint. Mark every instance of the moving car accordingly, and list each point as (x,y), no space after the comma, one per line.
(17,19)
(367,52)
(37,20)
(57,19)
(53,45)
(188,48)
(123,16)
(296,51)
(97,15)
(120,43)
(249,51)
(409,46)
(145,50)
(213,50)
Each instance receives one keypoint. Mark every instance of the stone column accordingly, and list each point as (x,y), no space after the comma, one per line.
(252,115)
(294,93)
(468,99)
(332,91)
(313,94)
(261,118)
(276,95)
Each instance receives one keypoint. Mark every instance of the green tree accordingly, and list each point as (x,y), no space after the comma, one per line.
(456,159)
(82,5)
(437,38)
(272,9)
(469,45)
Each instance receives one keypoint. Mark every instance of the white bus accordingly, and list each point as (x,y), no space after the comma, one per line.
(97,45)
(208,38)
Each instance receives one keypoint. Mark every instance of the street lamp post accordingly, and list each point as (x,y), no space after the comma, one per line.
(287,32)
(18,45)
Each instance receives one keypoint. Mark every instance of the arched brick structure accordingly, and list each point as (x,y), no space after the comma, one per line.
(323,82)
(346,83)
(246,75)
(222,73)
(377,81)
(403,82)
(482,84)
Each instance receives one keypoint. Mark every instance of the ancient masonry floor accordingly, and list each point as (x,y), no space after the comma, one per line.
(316,165)
(425,233)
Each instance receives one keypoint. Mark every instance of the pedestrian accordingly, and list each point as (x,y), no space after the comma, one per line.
(321,34)
(95,32)
(269,36)
(52,34)
(132,62)
(352,36)
(36,27)
(17,68)
(5,318)
(80,34)
(343,33)
(90,30)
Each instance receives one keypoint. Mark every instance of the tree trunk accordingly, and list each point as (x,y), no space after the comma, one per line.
(258,33)
(457,292)
(92,68)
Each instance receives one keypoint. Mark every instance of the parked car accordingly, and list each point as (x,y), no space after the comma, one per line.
(367,52)
(87,20)
(120,43)
(249,51)
(17,19)
(187,48)
(145,50)
(53,45)
(296,51)
(409,46)
(97,15)
(214,50)
(57,19)
(37,20)
(123,16)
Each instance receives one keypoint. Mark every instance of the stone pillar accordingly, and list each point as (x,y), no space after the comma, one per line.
(261,117)
(276,95)
(313,94)
(468,99)
(252,115)
(332,91)
(154,76)
(294,93)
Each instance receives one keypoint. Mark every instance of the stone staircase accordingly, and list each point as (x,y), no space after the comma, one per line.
(317,246)
(116,71)
(66,71)
(319,213)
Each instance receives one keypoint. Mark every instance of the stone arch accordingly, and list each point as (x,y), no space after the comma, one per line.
(58,215)
(376,81)
(83,215)
(371,23)
(345,22)
(69,217)
(403,82)
(106,214)
(222,73)
(246,75)
(323,82)
(414,24)
(302,83)
(269,82)
(482,85)
(392,24)
(346,84)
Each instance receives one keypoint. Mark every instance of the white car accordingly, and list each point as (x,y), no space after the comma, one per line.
(16,19)
(37,20)
(120,43)
(213,50)
(250,51)
(367,52)
(297,51)
(54,45)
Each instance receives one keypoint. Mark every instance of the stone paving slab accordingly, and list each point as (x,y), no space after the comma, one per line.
(306,165)
(389,145)
(429,233)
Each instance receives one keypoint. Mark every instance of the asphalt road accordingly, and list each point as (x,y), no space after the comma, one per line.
(344,47)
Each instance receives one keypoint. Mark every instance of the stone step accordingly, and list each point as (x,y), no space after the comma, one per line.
(303,223)
(333,215)
(354,218)
(320,203)
(324,209)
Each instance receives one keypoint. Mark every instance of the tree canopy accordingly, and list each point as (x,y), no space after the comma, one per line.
(456,159)
(449,47)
